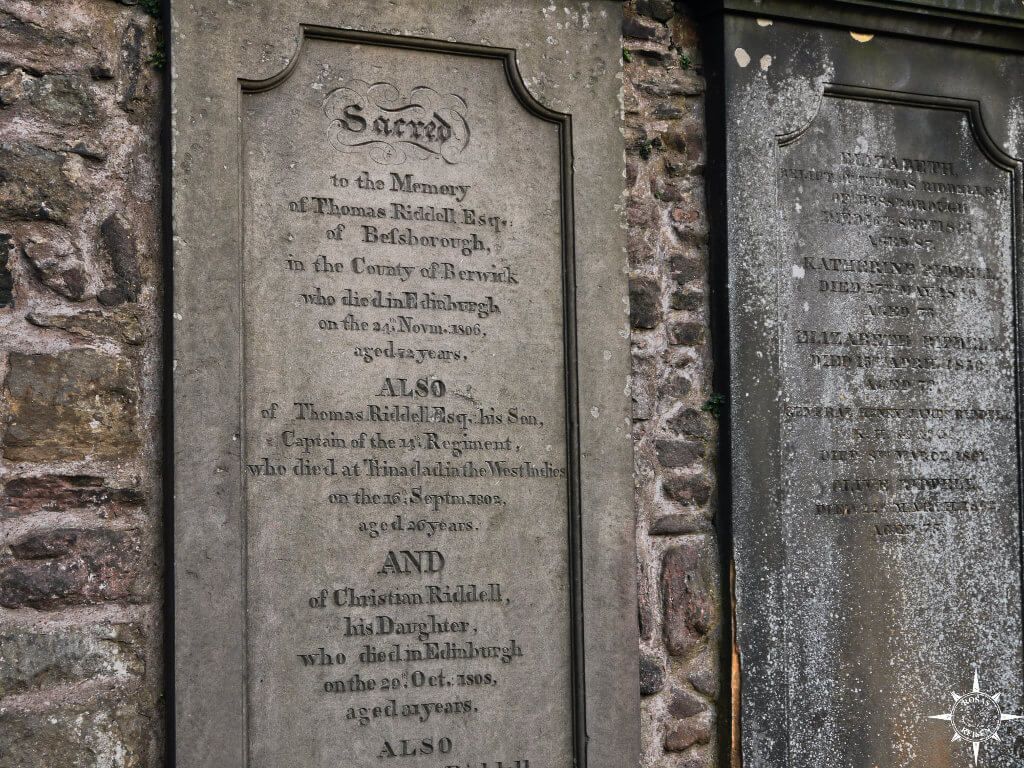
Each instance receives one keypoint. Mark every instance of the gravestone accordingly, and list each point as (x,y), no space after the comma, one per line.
(870,202)
(402,451)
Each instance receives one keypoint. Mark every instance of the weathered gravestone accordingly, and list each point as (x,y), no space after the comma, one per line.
(403,478)
(870,209)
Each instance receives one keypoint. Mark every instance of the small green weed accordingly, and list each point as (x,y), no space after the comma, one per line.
(714,405)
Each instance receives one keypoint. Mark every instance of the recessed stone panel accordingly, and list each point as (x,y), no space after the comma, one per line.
(873,244)
(413,338)
(409,465)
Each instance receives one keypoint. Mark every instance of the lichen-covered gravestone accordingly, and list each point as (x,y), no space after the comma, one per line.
(873,193)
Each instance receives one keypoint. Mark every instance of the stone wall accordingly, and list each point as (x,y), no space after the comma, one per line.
(674,408)
(80,360)
(80,366)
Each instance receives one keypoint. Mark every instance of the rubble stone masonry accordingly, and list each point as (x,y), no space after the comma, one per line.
(674,408)
(80,364)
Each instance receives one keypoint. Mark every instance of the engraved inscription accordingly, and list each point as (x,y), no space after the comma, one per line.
(376,118)
(899,453)
(405,450)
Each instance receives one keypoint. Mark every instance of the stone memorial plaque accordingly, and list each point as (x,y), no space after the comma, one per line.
(873,241)
(418,525)
(410,476)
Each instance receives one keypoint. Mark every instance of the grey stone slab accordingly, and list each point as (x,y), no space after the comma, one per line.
(403,513)
(996,24)
(872,210)
(1004,9)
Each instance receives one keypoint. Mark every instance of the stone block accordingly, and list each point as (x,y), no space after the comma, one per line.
(690,591)
(663,111)
(61,99)
(690,301)
(122,251)
(70,566)
(687,489)
(93,325)
(678,453)
(688,733)
(687,333)
(704,673)
(36,659)
(647,603)
(6,278)
(691,423)
(27,495)
(678,83)
(58,262)
(652,675)
(33,186)
(31,45)
(662,10)
(642,29)
(644,302)
(680,524)
(642,386)
(99,734)
(77,404)
(675,386)
(688,218)
(684,703)
(686,266)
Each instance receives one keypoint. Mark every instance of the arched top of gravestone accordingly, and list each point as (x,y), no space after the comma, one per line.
(996,24)
(507,56)
(996,9)
(971,109)
(1006,9)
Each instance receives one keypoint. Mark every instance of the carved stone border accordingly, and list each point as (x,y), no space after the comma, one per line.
(216,51)
(507,56)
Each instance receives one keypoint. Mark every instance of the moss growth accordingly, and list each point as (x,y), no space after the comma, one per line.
(714,405)
(158,58)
